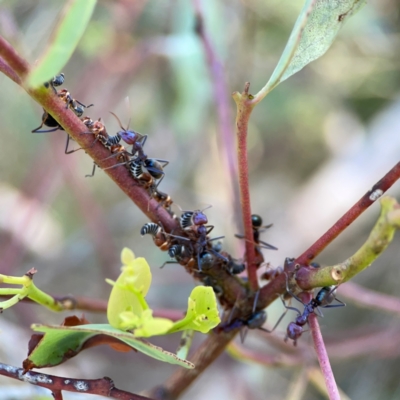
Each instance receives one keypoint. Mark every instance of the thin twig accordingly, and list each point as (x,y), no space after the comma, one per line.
(226,134)
(57,394)
(369,198)
(323,358)
(103,387)
(12,58)
(242,120)
(7,70)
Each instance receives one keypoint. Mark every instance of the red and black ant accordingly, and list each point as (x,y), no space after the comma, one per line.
(323,299)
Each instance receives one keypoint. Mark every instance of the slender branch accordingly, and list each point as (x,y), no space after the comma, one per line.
(220,89)
(369,198)
(103,387)
(323,358)
(8,71)
(377,242)
(244,110)
(316,378)
(57,394)
(370,299)
(12,58)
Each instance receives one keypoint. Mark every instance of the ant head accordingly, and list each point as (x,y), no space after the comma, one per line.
(256,221)
(199,218)
(294,331)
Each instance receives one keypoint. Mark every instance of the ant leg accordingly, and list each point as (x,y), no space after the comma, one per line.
(169,262)
(67,144)
(93,171)
(144,140)
(290,292)
(243,334)
(160,180)
(335,305)
(217,254)
(90,105)
(209,229)
(268,246)
(116,165)
(46,131)
(265,227)
(277,322)
(290,308)
(256,300)
(164,162)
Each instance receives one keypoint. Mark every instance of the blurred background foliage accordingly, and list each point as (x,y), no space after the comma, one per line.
(317,143)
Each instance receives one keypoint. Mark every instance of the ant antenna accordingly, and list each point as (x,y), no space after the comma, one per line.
(119,121)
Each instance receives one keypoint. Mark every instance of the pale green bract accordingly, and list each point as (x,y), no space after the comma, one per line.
(128,310)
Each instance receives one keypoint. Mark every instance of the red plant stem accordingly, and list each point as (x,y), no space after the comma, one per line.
(57,394)
(12,58)
(379,188)
(323,358)
(219,86)
(7,70)
(242,120)
(103,387)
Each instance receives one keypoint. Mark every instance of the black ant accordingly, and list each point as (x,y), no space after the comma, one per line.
(49,120)
(58,80)
(256,222)
(234,267)
(255,321)
(323,299)
(76,106)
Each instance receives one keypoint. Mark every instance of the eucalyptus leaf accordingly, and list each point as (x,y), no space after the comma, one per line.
(75,18)
(314,32)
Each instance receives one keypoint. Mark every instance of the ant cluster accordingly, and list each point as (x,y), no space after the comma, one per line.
(148,172)
(191,246)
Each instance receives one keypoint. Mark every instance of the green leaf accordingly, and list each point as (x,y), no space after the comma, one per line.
(314,32)
(70,29)
(63,342)
(127,295)
(202,314)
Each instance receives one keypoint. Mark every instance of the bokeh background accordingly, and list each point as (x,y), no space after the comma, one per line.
(317,143)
